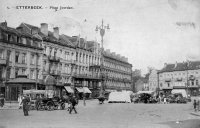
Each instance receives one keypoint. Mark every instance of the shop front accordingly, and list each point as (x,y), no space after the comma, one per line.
(15,87)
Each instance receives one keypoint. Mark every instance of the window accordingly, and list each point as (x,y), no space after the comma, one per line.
(16,57)
(8,73)
(38,74)
(77,56)
(24,40)
(32,74)
(16,72)
(9,55)
(23,71)
(66,55)
(28,41)
(32,59)
(168,84)
(38,60)
(160,84)
(9,37)
(18,39)
(2,53)
(80,58)
(23,58)
(192,82)
(44,66)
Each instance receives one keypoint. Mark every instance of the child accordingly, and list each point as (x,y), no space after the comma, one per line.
(195,105)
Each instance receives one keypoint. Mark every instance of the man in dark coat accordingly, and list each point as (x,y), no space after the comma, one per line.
(73,101)
(2,100)
(25,105)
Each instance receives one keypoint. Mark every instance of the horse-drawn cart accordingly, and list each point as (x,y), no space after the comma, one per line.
(44,100)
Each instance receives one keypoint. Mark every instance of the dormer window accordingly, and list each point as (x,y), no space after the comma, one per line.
(9,37)
(18,39)
(28,41)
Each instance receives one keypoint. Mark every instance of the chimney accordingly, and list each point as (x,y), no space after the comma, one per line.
(20,29)
(44,28)
(56,32)
(34,30)
(4,24)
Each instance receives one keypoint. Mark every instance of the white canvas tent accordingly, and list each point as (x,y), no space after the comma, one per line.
(119,97)
(182,91)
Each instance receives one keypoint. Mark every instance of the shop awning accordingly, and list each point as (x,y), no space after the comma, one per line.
(86,90)
(69,89)
(80,89)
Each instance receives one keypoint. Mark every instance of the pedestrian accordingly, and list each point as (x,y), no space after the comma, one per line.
(165,100)
(25,102)
(73,102)
(84,96)
(2,100)
(20,101)
(195,105)
(37,102)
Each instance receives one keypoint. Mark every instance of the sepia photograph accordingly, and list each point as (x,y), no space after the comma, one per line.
(100,64)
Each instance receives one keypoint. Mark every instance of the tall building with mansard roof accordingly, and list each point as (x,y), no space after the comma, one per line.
(20,61)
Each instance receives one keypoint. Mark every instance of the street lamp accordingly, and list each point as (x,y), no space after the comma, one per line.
(102,29)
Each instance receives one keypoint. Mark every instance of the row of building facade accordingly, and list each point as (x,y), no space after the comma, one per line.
(33,57)
(182,76)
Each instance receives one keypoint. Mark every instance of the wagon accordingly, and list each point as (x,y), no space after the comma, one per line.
(46,100)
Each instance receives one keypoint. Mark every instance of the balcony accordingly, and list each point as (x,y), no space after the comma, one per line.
(93,65)
(54,59)
(55,73)
(86,76)
(72,62)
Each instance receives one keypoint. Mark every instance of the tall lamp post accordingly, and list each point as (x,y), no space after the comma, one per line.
(102,29)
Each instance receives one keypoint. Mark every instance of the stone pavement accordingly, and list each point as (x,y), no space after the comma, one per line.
(108,115)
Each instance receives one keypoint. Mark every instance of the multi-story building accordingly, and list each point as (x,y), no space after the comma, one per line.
(117,72)
(67,60)
(153,80)
(86,71)
(183,76)
(55,61)
(20,54)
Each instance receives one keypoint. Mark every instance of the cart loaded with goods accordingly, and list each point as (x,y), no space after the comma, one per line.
(44,100)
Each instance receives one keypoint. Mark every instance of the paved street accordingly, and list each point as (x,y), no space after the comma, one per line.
(115,115)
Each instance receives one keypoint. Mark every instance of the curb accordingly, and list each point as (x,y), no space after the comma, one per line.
(195,113)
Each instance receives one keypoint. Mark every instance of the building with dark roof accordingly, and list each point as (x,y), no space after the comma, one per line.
(20,54)
(185,75)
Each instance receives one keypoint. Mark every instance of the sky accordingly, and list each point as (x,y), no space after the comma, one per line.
(148,32)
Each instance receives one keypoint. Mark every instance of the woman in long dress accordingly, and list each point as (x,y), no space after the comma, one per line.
(20,101)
